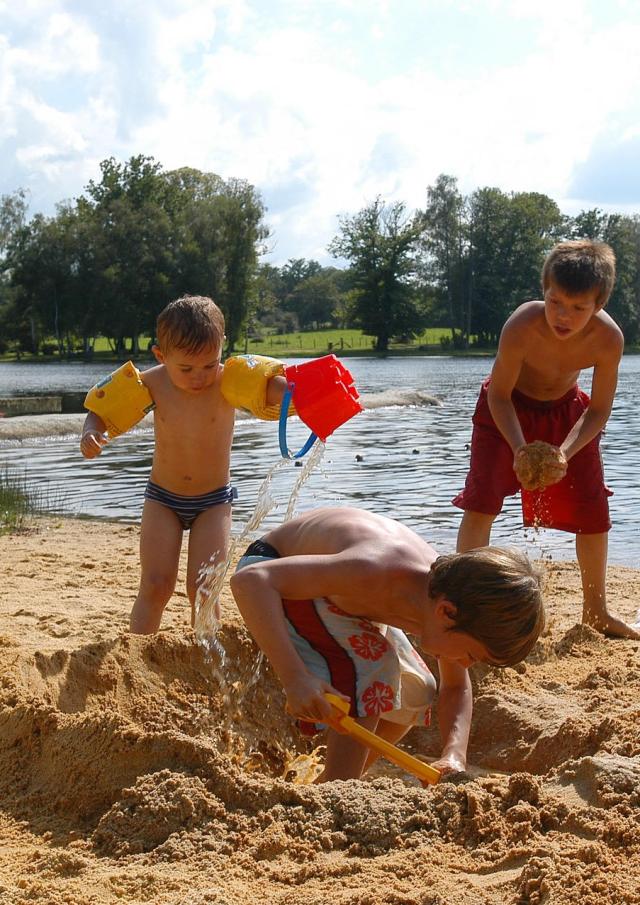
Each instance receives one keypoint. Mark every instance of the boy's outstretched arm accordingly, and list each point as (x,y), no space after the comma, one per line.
(275,389)
(603,389)
(93,436)
(504,375)
(260,605)
(455,706)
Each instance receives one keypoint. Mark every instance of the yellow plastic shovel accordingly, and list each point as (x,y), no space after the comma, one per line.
(342,722)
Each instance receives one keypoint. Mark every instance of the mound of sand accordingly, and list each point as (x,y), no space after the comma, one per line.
(143,769)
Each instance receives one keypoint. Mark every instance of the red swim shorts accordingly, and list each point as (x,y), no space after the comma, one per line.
(578,503)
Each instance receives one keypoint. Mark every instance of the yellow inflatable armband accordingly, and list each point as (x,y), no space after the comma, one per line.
(121,400)
(244,384)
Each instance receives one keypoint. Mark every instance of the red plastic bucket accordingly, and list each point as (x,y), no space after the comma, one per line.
(323,393)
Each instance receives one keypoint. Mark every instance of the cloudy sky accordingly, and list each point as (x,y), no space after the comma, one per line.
(325,104)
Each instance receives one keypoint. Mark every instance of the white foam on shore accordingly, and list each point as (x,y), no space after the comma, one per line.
(398,397)
(26,427)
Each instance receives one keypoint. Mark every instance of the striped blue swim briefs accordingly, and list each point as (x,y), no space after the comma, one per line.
(188,508)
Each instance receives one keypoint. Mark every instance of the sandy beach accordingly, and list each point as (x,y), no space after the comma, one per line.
(133,770)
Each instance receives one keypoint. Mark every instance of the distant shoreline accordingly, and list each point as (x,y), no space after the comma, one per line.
(290,353)
(293,353)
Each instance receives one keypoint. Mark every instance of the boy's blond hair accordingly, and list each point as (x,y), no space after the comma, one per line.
(579,266)
(498,597)
(190,323)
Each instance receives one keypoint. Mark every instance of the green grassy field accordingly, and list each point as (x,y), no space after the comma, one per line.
(314,343)
(321,341)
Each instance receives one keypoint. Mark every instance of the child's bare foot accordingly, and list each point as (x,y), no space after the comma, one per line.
(611,626)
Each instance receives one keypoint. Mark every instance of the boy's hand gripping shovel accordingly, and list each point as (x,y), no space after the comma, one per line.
(342,722)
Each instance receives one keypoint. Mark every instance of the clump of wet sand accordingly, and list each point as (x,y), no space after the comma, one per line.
(538,464)
(130,773)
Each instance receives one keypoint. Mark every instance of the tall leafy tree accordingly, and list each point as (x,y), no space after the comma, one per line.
(243,237)
(310,292)
(623,235)
(591,224)
(295,271)
(380,243)
(535,225)
(509,236)
(488,283)
(13,216)
(45,273)
(443,252)
(220,232)
(315,300)
(197,231)
(133,247)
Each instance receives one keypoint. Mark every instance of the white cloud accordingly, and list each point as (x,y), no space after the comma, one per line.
(192,28)
(312,108)
(61,45)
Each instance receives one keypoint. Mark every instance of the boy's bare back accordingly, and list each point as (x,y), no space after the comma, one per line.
(380,567)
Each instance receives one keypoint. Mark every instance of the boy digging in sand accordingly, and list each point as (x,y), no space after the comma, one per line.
(328,597)
(188,489)
(535,430)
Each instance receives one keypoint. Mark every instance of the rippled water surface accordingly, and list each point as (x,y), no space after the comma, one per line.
(401,460)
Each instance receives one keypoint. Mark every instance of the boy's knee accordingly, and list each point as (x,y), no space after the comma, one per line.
(157,589)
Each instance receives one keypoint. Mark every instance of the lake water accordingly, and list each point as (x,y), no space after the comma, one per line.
(405,461)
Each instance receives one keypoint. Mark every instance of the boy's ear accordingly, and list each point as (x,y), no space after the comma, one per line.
(158,354)
(446,611)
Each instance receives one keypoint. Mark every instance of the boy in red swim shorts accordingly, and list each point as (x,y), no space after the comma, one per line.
(531,396)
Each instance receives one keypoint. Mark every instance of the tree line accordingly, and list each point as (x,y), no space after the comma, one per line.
(107,262)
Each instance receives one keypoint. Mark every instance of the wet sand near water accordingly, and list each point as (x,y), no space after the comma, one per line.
(127,774)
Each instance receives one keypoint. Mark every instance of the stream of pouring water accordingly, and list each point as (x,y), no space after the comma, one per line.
(211,576)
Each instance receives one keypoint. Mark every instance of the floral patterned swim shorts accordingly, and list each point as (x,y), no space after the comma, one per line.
(374,665)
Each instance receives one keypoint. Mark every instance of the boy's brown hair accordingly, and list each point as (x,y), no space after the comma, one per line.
(498,597)
(579,266)
(190,323)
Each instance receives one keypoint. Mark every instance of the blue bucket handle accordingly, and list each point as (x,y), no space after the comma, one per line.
(282,431)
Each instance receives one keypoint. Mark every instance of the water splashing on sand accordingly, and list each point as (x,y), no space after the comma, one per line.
(315,457)
(212,575)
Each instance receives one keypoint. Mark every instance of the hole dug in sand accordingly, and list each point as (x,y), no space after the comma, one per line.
(130,752)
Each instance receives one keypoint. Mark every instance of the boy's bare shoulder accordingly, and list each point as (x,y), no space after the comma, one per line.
(523,323)
(603,322)
(526,314)
(607,337)
(152,376)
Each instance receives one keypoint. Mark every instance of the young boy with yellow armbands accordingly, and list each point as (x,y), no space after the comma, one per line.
(194,398)
(189,487)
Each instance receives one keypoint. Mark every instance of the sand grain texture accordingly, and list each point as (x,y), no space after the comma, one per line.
(129,774)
